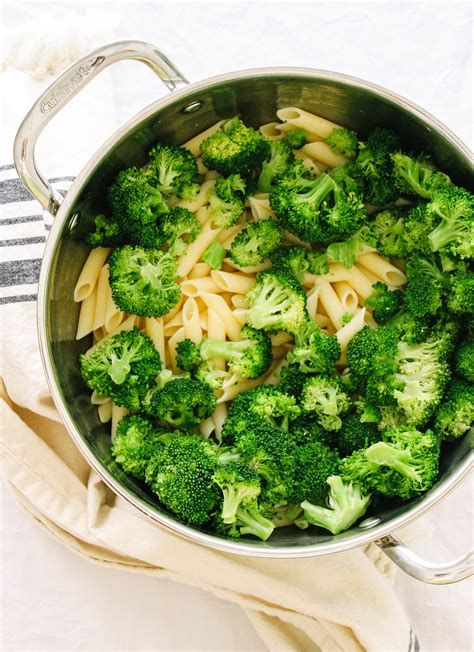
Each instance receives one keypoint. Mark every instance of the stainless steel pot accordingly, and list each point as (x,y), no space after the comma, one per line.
(255,95)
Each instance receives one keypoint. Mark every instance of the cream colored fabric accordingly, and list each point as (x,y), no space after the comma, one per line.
(336,602)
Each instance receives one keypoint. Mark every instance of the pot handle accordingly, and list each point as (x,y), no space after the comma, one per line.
(425,571)
(63,89)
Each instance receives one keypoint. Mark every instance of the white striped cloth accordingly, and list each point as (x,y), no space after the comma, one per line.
(24,227)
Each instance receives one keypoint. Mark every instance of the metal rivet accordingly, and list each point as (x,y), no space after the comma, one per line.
(193,107)
(73,222)
(369,522)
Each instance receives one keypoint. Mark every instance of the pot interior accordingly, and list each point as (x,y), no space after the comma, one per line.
(255,97)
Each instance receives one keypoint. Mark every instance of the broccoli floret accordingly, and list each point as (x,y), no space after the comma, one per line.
(314,351)
(276,303)
(227,201)
(297,138)
(249,357)
(461,298)
(136,441)
(250,520)
(315,463)
(455,232)
(316,210)
(292,260)
(177,229)
(387,233)
(426,284)
(356,434)
(292,380)
(318,262)
(107,233)
(270,451)
(239,484)
(214,254)
(270,403)
(346,504)
(374,167)
(418,175)
(347,178)
(385,303)
(464,360)
(371,350)
(409,328)
(174,171)
(278,160)
(143,281)
(418,224)
(404,464)
(343,141)
(136,206)
(234,149)
(122,367)
(256,241)
(324,397)
(307,430)
(349,250)
(183,403)
(455,415)
(181,474)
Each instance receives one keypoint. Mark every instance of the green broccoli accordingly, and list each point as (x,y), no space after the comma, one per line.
(455,232)
(214,254)
(267,403)
(426,285)
(136,441)
(183,403)
(177,229)
(181,474)
(256,241)
(306,430)
(227,201)
(418,224)
(122,367)
(455,415)
(107,233)
(324,397)
(315,463)
(239,484)
(278,160)
(174,171)
(291,380)
(404,464)
(143,281)
(276,303)
(371,349)
(297,138)
(409,328)
(373,167)
(356,434)
(316,210)
(234,149)
(346,177)
(343,141)
(250,520)
(387,232)
(464,360)
(349,250)
(384,302)
(293,260)
(461,297)
(249,357)
(136,206)
(346,504)
(314,351)
(417,175)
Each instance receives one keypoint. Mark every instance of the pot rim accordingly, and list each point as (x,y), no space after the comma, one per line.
(373,531)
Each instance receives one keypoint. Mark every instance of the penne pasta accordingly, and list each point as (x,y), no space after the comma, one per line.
(113,315)
(285,128)
(383,269)
(306,120)
(322,320)
(104,411)
(202,215)
(117,414)
(97,399)
(239,301)
(346,295)
(240,315)
(227,236)
(201,198)
(86,316)
(347,332)
(312,301)
(195,250)
(194,144)
(202,169)
(154,328)
(229,393)
(324,153)
(173,341)
(211,175)
(196,286)
(206,427)
(204,319)
(191,321)
(199,271)
(235,283)
(359,281)
(307,161)
(219,306)
(174,311)
(271,131)
(274,377)
(101,298)
(291,238)
(216,331)
(281,338)
(331,303)
(90,273)
(219,416)
(172,325)
(260,206)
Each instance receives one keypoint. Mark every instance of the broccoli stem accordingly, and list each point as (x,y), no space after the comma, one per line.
(443,234)
(254,523)
(399,459)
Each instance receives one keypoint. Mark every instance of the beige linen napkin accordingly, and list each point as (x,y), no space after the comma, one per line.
(343,601)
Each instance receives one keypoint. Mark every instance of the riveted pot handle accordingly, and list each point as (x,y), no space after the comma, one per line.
(425,571)
(63,89)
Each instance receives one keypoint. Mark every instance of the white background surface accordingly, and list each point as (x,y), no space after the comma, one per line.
(53,600)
